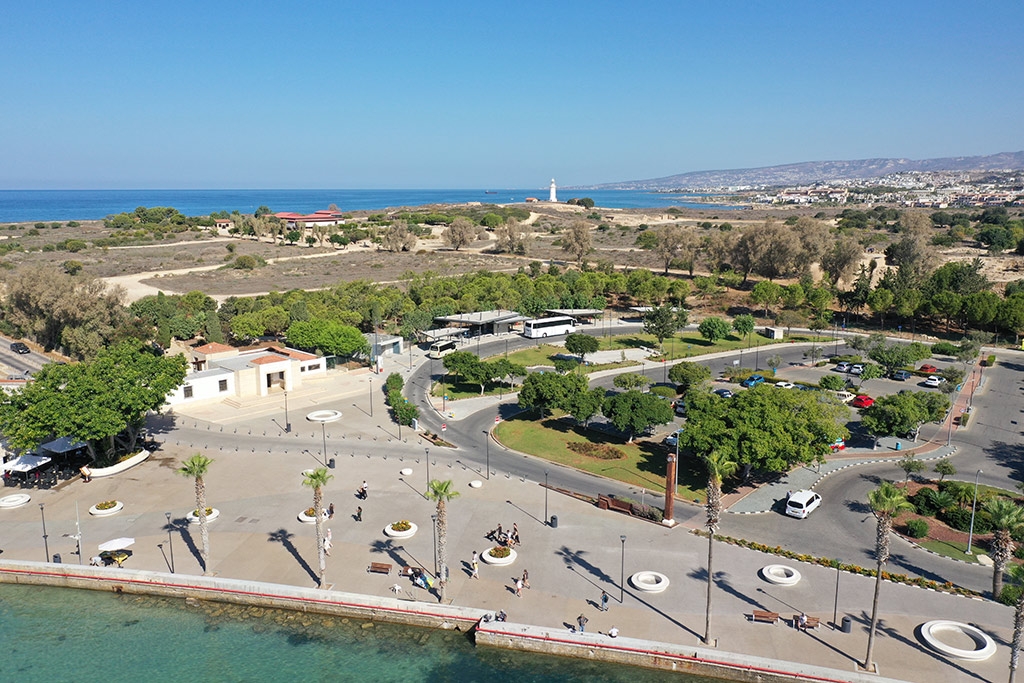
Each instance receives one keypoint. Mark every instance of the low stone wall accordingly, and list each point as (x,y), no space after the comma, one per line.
(653,655)
(120,467)
(241,592)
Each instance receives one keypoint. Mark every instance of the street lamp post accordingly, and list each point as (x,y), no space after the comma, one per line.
(974,505)
(170,540)
(323,417)
(547,520)
(487,450)
(622,572)
(835,605)
(287,422)
(46,544)
(427,451)
(371,395)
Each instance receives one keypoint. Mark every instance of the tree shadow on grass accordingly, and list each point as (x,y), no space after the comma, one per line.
(284,537)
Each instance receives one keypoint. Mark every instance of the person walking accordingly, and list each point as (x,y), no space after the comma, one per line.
(519,588)
(476,570)
(330,511)
(526,579)
(359,514)
(363,490)
(582,621)
(604,601)
(327,543)
(515,533)
(475,558)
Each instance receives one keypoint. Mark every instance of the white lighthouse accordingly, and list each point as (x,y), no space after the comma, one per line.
(552,197)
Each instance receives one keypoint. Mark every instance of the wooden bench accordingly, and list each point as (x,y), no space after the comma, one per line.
(609,503)
(407,571)
(379,568)
(767,617)
(812,622)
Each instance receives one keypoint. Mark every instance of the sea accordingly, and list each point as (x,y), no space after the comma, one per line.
(57,634)
(68,205)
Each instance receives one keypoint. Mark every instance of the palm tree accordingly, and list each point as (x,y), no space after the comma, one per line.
(441,491)
(940,500)
(196,468)
(1016,572)
(886,502)
(317,480)
(719,466)
(1007,517)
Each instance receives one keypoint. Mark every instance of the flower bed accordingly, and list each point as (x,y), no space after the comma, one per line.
(106,508)
(401,529)
(499,556)
(307,516)
(600,451)
(211,514)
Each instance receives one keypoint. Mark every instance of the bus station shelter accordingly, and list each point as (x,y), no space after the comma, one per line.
(583,316)
(483,322)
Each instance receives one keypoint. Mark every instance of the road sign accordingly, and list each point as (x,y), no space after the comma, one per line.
(444,426)
(497,419)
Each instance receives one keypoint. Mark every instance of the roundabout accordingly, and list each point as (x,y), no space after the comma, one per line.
(193,518)
(984,646)
(780,575)
(390,532)
(649,582)
(15,500)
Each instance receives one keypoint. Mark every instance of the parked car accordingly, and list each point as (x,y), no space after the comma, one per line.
(930,369)
(857,369)
(843,367)
(807,387)
(785,385)
(752,381)
(862,402)
(845,396)
(901,375)
(20,347)
(724,393)
(933,381)
(837,445)
(802,503)
(672,439)
(679,407)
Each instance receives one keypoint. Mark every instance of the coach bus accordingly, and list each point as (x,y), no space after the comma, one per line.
(439,349)
(548,327)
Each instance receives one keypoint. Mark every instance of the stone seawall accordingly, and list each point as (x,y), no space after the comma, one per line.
(653,655)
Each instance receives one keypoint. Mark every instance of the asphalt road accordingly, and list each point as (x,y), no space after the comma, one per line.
(17,362)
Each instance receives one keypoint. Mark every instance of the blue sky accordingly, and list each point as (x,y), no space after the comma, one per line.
(492,95)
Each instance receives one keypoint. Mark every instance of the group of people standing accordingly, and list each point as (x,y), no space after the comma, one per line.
(500,536)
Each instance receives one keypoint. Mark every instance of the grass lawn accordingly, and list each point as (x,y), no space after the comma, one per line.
(545,355)
(691,344)
(644,464)
(465,390)
(953,549)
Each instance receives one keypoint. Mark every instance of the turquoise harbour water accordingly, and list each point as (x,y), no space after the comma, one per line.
(56,634)
(66,205)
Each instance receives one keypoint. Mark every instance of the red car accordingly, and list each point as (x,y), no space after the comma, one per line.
(930,369)
(862,402)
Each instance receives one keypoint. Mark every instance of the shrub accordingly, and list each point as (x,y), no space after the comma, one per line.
(647,512)
(664,392)
(72,267)
(944,349)
(1017,535)
(917,528)
(989,362)
(402,525)
(600,451)
(1010,594)
(499,552)
(833,382)
(245,262)
(846,359)
(960,519)
(394,382)
(922,502)
(962,420)
(1018,552)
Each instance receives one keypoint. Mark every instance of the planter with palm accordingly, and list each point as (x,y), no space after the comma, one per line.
(1006,517)
(441,492)
(886,502)
(317,480)
(196,468)
(719,466)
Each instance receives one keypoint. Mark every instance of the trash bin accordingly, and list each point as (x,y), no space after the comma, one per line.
(330,463)
(847,625)
(56,558)
(899,446)
(554,521)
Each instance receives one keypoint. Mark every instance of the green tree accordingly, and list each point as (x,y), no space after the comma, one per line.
(766,293)
(743,324)
(870,372)
(577,241)
(581,344)
(583,405)
(1007,517)
(944,468)
(880,301)
(317,480)
(196,468)
(774,362)
(633,412)
(547,391)
(720,466)
(688,375)
(832,382)
(947,304)
(910,465)
(293,236)
(662,322)
(441,492)
(893,414)
(713,328)
(630,380)
(214,333)
(886,502)
(892,357)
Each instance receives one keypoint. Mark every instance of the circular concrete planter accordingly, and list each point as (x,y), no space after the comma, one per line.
(96,512)
(307,519)
(408,533)
(475,484)
(649,582)
(193,518)
(15,500)
(498,561)
(929,632)
(780,575)
(405,472)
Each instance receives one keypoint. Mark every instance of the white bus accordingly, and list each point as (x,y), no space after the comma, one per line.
(548,327)
(441,348)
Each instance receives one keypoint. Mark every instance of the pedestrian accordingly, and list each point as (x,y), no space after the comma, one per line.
(519,588)
(515,533)
(476,570)
(327,543)
(362,490)
(359,514)
(582,621)
(475,558)
(330,511)
(526,578)
(604,601)
(613,632)
(802,622)
(501,616)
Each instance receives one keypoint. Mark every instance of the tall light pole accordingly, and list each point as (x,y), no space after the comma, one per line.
(323,417)
(371,395)
(622,572)
(427,451)
(835,605)
(487,448)
(547,520)
(170,540)
(287,422)
(46,544)
(974,505)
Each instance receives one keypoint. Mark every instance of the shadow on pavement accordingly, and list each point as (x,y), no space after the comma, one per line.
(284,537)
(181,525)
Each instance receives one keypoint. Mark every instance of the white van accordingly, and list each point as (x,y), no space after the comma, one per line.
(802,503)
(441,349)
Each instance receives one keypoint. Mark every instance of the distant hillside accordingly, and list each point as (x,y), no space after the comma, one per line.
(817,171)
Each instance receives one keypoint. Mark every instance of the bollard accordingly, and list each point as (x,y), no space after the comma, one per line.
(554,521)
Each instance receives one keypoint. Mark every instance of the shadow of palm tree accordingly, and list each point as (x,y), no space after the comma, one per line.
(890,632)
(722,582)
(393,551)
(574,558)
(181,525)
(284,537)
